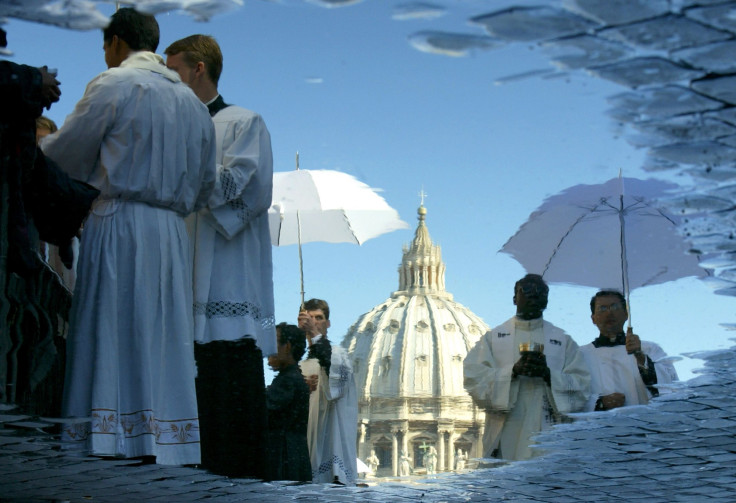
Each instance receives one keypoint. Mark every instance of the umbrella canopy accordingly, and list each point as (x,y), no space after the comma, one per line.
(328,206)
(362,467)
(610,235)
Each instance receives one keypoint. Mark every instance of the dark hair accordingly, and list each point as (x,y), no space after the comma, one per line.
(535,278)
(296,336)
(196,48)
(140,31)
(314,304)
(607,293)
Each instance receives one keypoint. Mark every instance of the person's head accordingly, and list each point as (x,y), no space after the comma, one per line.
(198,60)
(608,312)
(44,127)
(128,31)
(273,362)
(530,296)
(196,49)
(292,343)
(319,310)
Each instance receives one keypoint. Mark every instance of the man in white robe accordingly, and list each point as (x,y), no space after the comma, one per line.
(143,139)
(332,431)
(233,276)
(524,394)
(624,370)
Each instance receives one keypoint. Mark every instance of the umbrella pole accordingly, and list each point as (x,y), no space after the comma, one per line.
(299,239)
(624,261)
(301,263)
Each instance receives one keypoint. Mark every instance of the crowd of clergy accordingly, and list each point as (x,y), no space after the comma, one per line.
(528,374)
(173,308)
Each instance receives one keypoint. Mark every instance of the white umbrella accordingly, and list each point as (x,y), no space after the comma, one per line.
(362,467)
(610,235)
(329,206)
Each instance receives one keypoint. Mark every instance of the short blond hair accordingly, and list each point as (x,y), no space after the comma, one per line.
(196,48)
(44,122)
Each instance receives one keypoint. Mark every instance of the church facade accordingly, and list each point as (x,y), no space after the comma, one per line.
(407,355)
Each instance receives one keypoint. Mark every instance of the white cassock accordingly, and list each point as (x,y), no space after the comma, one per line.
(146,142)
(233,272)
(613,370)
(332,430)
(518,408)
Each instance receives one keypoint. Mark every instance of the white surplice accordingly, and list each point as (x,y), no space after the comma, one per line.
(613,370)
(233,272)
(517,408)
(143,138)
(332,430)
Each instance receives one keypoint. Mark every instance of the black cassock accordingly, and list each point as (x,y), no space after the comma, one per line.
(287,401)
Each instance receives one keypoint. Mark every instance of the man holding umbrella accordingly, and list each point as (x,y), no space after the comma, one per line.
(233,273)
(526,374)
(623,369)
(332,429)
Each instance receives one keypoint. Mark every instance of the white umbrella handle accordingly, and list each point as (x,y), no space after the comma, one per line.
(301,262)
(299,240)
(624,260)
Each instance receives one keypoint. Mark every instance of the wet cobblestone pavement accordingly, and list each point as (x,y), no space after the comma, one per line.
(682,447)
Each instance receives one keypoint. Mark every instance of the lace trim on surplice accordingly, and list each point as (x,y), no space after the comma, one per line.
(227,309)
(230,192)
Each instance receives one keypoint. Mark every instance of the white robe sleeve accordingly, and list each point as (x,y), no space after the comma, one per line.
(596,378)
(571,384)
(244,177)
(341,374)
(487,380)
(75,147)
(666,372)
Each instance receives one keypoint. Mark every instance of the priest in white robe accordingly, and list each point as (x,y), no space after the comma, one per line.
(233,274)
(143,139)
(523,394)
(332,430)
(624,369)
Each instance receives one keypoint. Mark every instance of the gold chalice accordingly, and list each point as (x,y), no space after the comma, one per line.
(531,347)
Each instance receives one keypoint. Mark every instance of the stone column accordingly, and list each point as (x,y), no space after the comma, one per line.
(450,453)
(479,442)
(404,429)
(451,436)
(361,447)
(394,451)
(441,450)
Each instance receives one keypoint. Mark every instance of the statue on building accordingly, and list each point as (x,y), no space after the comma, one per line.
(430,460)
(460,459)
(404,464)
(373,462)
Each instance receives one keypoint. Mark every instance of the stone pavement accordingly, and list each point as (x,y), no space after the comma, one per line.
(680,448)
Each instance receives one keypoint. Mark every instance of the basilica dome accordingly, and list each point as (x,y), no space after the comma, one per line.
(407,355)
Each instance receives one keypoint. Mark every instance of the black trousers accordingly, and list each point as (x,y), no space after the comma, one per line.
(232,407)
